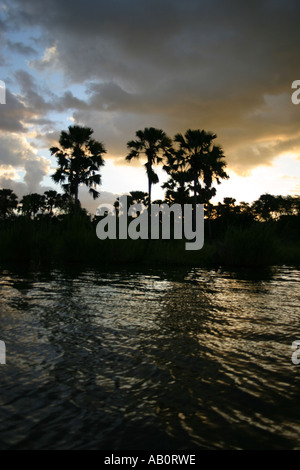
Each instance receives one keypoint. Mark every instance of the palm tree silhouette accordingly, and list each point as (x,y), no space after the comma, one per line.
(51,200)
(177,189)
(155,145)
(202,160)
(79,159)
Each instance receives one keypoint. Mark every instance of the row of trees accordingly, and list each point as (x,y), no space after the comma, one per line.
(31,205)
(52,203)
(266,207)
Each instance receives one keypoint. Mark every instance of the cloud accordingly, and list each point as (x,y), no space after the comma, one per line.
(14,150)
(40,100)
(35,171)
(20,48)
(17,155)
(19,188)
(13,113)
(91,204)
(31,94)
(143,42)
(48,60)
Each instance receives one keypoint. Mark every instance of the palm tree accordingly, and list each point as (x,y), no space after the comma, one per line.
(202,161)
(155,145)
(56,202)
(79,159)
(51,197)
(177,189)
(137,197)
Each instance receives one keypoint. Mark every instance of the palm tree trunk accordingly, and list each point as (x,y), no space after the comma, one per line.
(195,202)
(76,200)
(149,204)
(149,192)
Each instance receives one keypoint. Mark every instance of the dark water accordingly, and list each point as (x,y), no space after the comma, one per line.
(160,359)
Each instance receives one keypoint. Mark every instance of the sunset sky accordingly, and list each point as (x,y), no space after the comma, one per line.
(121,65)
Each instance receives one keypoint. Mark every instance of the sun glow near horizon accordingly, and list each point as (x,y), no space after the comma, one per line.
(280,178)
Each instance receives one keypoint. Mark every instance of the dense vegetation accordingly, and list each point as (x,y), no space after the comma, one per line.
(262,233)
(52,227)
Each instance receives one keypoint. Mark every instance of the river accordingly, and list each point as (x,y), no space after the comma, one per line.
(136,358)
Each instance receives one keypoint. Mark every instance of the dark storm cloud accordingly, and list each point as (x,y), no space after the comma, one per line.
(40,99)
(31,106)
(144,40)
(225,66)
(20,48)
(30,94)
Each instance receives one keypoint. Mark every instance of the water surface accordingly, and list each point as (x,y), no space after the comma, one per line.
(149,359)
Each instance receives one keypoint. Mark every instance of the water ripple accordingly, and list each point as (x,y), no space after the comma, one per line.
(163,359)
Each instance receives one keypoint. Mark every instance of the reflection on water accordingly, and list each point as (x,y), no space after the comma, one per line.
(160,359)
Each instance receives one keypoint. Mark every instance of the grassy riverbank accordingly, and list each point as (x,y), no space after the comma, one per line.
(74,240)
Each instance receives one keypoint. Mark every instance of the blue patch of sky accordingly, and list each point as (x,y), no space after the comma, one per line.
(20,175)
(51,78)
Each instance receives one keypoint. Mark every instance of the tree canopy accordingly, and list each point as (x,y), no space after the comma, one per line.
(79,160)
